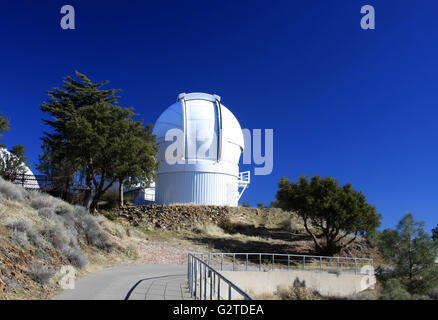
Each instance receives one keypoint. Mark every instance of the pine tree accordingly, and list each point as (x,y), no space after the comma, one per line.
(13,163)
(4,127)
(136,162)
(335,212)
(435,234)
(413,252)
(88,136)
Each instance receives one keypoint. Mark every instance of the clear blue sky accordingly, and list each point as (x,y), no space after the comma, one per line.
(360,106)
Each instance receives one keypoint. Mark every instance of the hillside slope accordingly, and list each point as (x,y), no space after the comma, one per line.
(40,234)
(233,229)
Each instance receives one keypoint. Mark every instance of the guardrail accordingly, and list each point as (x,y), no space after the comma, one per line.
(38,181)
(282,262)
(205,283)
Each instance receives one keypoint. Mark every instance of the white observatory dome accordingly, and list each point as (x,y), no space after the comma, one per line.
(28,180)
(205,167)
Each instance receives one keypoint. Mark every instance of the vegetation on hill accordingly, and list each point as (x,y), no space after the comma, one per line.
(40,234)
(412,253)
(334,211)
(227,229)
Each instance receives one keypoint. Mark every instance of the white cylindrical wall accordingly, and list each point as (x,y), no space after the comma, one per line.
(210,177)
(210,188)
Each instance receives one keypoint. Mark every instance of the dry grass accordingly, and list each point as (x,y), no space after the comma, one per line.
(212,230)
(293,292)
(39,234)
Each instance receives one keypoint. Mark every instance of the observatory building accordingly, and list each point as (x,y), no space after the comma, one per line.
(28,179)
(200,143)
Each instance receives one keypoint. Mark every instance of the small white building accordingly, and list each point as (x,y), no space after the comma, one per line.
(28,179)
(140,195)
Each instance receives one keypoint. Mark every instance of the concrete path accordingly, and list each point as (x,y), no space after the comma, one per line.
(137,282)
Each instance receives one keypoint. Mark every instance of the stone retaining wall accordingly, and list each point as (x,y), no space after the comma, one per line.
(173,217)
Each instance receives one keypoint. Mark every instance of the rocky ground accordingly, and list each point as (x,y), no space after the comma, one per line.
(225,229)
(172,217)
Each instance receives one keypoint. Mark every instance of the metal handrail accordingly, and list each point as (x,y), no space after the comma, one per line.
(200,272)
(279,254)
(305,259)
(40,181)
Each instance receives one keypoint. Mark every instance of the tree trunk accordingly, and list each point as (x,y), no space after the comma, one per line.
(121,192)
(99,192)
(93,205)
(315,240)
(87,194)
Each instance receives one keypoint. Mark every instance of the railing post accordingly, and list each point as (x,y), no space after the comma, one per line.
(320,264)
(214,283)
(196,278)
(218,288)
(211,285)
(234,260)
(222,261)
(188,274)
(288,262)
(193,274)
(272,262)
(230,297)
(304,262)
(355,266)
(189,270)
(260,262)
(205,282)
(246,262)
(200,280)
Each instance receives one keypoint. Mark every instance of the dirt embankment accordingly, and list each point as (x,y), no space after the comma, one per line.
(41,235)
(173,217)
(233,229)
(179,217)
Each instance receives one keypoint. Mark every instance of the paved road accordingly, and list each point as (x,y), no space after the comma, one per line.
(138,282)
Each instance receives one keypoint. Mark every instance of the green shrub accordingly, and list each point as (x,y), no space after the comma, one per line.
(23,232)
(433,294)
(94,234)
(40,200)
(110,215)
(40,273)
(75,256)
(297,291)
(46,212)
(11,191)
(111,199)
(288,225)
(64,227)
(395,290)
(420,297)
(364,295)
